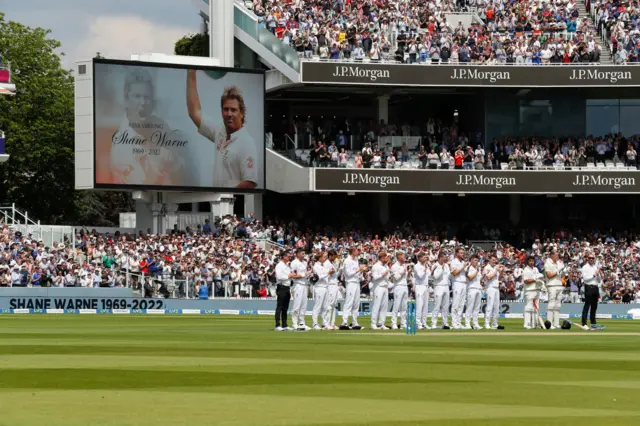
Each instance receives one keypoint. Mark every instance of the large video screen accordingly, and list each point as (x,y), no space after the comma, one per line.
(168,127)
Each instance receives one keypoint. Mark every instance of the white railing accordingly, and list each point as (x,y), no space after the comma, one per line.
(19,220)
(413,142)
(290,143)
(429,62)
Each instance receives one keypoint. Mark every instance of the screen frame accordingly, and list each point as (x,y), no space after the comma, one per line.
(162,188)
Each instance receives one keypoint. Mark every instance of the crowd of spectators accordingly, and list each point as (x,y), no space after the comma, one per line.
(527,32)
(229,259)
(444,148)
(619,21)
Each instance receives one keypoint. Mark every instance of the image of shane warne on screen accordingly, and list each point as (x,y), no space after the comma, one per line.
(177,127)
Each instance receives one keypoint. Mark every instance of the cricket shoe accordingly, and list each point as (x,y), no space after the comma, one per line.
(394,326)
(374,327)
(476,326)
(384,327)
(586,327)
(317,327)
(467,327)
(356,327)
(305,327)
(345,327)
(526,327)
(420,327)
(553,327)
(279,329)
(287,329)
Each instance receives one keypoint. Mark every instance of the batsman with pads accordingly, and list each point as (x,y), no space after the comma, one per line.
(532,279)
(553,269)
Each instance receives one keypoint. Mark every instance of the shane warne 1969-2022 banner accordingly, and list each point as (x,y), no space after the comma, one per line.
(393,74)
(477,181)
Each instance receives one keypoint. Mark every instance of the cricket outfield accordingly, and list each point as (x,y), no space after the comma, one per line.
(235,370)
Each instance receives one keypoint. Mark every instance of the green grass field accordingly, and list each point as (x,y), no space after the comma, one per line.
(174,370)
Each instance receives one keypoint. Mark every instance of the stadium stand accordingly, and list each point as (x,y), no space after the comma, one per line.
(617,24)
(529,32)
(405,146)
(227,259)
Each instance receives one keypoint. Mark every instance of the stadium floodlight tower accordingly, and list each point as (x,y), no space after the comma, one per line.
(7,88)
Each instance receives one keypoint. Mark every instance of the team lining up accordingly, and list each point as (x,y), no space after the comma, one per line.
(460,278)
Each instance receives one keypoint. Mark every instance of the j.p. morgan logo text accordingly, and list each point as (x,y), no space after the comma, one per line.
(366,178)
(370,74)
(596,74)
(483,180)
(472,73)
(599,180)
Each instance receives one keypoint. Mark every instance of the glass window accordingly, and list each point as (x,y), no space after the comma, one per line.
(535,117)
(600,102)
(602,120)
(630,102)
(630,120)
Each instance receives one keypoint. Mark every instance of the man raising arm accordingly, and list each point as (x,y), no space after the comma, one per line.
(236,154)
(193,99)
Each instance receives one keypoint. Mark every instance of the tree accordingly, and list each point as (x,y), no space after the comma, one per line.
(39,126)
(193,45)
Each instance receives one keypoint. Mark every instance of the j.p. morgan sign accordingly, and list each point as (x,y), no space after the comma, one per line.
(476,181)
(470,75)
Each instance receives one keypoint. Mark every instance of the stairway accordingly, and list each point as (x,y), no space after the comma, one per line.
(605,52)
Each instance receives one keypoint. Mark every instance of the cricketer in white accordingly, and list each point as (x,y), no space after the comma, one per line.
(352,278)
(458,266)
(491,275)
(400,292)
(329,314)
(421,274)
(553,269)
(441,276)
(474,294)
(380,289)
(531,278)
(323,269)
(300,291)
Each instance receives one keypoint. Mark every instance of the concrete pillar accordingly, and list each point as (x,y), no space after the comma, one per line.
(383,202)
(170,217)
(195,207)
(221,30)
(514,209)
(156,209)
(144,216)
(223,205)
(253,204)
(383,108)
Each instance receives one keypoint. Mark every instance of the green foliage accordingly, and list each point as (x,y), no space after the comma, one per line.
(39,125)
(193,45)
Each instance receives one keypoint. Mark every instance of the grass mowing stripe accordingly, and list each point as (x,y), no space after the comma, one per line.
(79,370)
